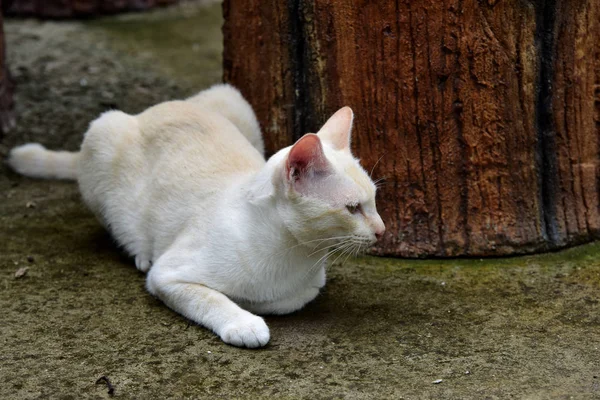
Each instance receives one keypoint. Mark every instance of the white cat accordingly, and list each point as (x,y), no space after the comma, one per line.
(184,187)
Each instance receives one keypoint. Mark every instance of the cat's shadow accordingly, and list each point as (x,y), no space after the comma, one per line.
(317,312)
(101,242)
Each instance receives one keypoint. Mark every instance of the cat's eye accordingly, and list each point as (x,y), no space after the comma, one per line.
(353,208)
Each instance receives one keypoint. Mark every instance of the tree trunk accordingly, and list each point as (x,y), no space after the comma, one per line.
(482,116)
(7,119)
(78,8)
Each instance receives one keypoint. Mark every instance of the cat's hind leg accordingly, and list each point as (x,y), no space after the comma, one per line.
(226,100)
(168,281)
(143,262)
(143,255)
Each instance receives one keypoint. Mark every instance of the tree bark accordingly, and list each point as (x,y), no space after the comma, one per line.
(483,117)
(78,8)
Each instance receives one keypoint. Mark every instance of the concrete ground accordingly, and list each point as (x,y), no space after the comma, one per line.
(526,327)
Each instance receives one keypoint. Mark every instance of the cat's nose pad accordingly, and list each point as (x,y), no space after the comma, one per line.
(378,227)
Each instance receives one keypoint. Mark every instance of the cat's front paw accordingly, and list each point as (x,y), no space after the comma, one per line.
(251,331)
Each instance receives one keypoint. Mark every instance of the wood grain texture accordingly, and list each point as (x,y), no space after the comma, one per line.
(574,201)
(261,52)
(78,8)
(483,115)
(447,162)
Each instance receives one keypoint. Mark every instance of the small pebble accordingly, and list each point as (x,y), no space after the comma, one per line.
(437,381)
(31,204)
(209,352)
(21,272)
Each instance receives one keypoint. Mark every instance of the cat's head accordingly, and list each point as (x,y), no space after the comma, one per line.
(326,197)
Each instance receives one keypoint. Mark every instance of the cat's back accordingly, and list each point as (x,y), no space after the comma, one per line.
(175,137)
(182,135)
(158,168)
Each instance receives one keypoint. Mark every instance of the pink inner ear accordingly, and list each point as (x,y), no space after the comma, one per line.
(306,156)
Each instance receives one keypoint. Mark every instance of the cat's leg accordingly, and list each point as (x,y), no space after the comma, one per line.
(294,303)
(143,262)
(285,306)
(143,255)
(207,307)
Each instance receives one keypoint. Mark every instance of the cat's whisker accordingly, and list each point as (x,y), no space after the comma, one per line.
(318,240)
(342,250)
(288,249)
(348,255)
(318,263)
(346,248)
(325,248)
(373,169)
(338,247)
(341,247)
(358,250)
(322,240)
(324,256)
(341,238)
(380,181)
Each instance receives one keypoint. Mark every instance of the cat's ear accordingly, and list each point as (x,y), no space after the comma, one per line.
(306,158)
(337,130)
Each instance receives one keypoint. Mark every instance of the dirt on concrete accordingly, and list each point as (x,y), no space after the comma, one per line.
(526,327)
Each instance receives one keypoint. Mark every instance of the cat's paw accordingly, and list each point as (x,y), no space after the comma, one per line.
(142,263)
(250,331)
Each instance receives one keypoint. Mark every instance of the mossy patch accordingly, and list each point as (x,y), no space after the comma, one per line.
(185,43)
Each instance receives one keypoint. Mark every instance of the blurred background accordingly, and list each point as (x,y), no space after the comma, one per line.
(69,71)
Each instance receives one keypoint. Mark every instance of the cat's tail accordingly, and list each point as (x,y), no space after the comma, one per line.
(34,160)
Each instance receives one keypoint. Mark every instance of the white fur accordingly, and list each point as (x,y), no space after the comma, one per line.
(228,101)
(185,189)
(34,160)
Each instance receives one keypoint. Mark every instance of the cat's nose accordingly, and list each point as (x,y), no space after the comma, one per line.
(378,226)
(380,231)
